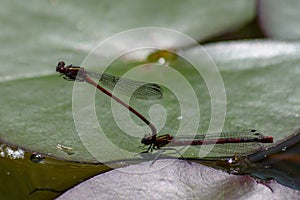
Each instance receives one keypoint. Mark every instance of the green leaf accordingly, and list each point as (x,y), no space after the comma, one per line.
(36,110)
(261,94)
(36,35)
(261,80)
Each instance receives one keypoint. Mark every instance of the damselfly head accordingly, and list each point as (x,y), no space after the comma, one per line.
(267,139)
(147,139)
(70,72)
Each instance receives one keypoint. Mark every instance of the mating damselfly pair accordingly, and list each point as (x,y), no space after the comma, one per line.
(142,90)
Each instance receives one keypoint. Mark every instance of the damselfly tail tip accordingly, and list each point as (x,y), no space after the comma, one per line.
(268,139)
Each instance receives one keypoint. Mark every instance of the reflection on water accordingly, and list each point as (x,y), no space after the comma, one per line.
(38,176)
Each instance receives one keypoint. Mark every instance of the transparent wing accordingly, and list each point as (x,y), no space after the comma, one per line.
(249,133)
(221,150)
(138,89)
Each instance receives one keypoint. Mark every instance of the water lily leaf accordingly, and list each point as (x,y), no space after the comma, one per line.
(35,121)
(35,37)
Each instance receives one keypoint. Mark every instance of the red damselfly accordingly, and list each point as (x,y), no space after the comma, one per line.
(141,90)
(241,142)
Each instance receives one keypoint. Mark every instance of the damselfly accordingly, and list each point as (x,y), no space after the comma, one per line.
(126,86)
(242,142)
